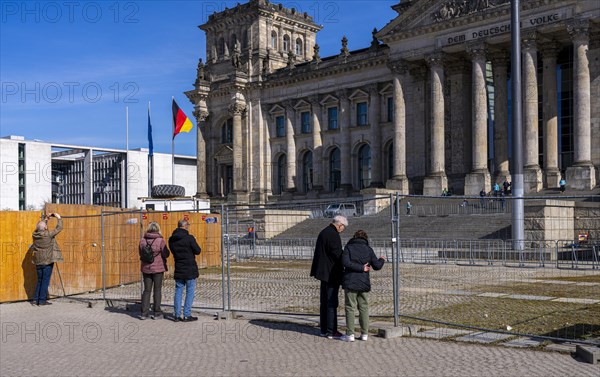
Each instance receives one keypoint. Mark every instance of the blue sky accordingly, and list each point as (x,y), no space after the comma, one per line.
(69,69)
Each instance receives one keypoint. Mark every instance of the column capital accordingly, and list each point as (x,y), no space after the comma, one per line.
(579,30)
(476,50)
(398,67)
(201,115)
(237,108)
(529,40)
(435,60)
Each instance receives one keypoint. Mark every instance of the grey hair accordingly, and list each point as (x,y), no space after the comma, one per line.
(339,219)
(181,223)
(153,227)
(41,225)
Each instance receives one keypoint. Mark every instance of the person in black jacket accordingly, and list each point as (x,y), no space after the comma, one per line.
(184,249)
(358,258)
(327,267)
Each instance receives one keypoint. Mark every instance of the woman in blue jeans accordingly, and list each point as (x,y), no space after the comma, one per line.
(184,249)
(45,253)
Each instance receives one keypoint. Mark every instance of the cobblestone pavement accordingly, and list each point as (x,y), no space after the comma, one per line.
(71,339)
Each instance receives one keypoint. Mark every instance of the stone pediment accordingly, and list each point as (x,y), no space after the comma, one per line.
(224,154)
(426,13)
(276,109)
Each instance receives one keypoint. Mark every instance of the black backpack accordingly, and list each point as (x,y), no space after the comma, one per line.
(147,254)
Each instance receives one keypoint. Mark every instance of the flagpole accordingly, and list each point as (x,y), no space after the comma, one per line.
(150,158)
(173,149)
(126,154)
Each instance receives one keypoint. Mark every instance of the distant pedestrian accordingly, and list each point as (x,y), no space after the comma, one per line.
(482,195)
(358,259)
(563,185)
(45,253)
(153,272)
(184,248)
(327,267)
(506,186)
(496,189)
(408,208)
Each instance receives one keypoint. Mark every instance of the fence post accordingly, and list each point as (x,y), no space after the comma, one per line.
(103,265)
(142,235)
(223,246)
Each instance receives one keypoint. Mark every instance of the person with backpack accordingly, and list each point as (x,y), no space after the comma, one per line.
(184,248)
(153,257)
(358,258)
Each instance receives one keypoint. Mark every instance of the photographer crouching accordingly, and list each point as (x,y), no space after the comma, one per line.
(45,253)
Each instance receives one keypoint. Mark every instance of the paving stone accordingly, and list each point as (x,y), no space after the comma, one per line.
(441,333)
(561,347)
(483,337)
(531,297)
(523,342)
(577,300)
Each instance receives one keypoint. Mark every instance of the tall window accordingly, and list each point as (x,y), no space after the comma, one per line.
(335,170)
(281,173)
(280,126)
(227,132)
(305,121)
(361,114)
(232,44)
(390,109)
(299,47)
(332,118)
(364,166)
(286,43)
(307,171)
(274,40)
(391,160)
(221,46)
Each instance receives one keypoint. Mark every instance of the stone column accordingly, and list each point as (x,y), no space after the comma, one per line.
(532,173)
(399,180)
(550,111)
(201,116)
(436,180)
(317,144)
(500,73)
(479,177)
(237,110)
(344,125)
(582,174)
(459,134)
(290,146)
(374,119)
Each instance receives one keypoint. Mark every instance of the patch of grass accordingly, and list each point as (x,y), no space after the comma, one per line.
(544,289)
(578,279)
(558,319)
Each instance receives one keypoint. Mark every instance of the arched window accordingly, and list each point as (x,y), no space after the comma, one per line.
(307,171)
(335,170)
(227,132)
(244,39)
(274,40)
(299,51)
(364,166)
(281,173)
(221,47)
(286,43)
(232,44)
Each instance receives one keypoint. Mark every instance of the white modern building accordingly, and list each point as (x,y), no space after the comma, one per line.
(36,172)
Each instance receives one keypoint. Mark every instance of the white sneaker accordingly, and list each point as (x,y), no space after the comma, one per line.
(364,337)
(348,338)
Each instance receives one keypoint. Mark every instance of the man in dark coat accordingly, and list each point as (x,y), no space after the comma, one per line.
(327,267)
(184,249)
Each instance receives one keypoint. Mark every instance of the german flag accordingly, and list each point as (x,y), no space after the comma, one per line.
(181,123)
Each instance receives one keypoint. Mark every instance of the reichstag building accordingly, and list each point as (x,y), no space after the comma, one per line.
(426,106)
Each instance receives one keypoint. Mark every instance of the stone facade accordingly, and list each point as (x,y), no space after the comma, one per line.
(425,107)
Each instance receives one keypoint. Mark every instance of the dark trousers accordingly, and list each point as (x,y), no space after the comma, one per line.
(150,281)
(44,272)
(328,309)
